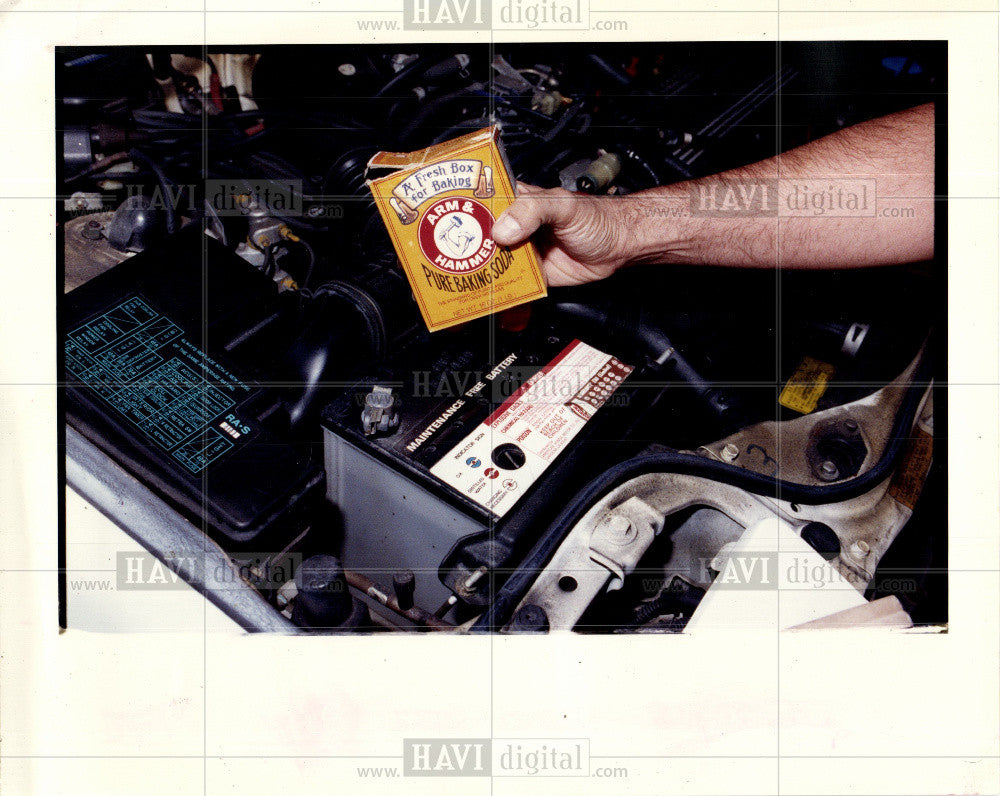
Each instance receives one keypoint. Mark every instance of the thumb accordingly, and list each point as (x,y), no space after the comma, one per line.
(530,211)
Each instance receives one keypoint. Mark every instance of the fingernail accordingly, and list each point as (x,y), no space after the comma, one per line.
(505,228)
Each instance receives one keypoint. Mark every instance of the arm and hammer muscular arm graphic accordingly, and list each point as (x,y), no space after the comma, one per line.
(583,238)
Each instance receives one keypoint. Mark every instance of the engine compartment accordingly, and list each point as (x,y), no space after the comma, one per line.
(240,339)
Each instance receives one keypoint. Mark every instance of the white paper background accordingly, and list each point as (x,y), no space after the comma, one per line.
(206,711)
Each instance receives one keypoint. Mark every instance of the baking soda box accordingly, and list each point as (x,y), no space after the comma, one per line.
(439,205)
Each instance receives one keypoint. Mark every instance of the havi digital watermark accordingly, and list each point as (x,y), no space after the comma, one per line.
(496,14)
(497,757)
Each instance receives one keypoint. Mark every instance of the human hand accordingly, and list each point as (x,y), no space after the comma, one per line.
(583,236)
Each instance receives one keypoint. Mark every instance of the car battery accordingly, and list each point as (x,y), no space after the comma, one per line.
(152,377)
(446,460)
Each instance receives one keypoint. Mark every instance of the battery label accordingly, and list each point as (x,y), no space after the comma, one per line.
(499,461)
(140,365)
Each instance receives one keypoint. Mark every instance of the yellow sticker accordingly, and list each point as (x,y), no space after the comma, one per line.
(908,480)
(806,386)
(439,205)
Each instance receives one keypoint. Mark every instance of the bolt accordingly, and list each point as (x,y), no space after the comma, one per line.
(860,549)
(827,470)
(530,618)
(851,425)
(473,579)
(92,231)
(730,452)
(619,530)
(620,525)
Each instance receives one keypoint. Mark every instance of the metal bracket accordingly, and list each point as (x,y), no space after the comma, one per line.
(620,539)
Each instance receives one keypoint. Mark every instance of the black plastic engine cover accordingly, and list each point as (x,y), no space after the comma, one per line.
(149,378)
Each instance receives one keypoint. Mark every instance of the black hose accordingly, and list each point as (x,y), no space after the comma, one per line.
(520,581)
(98,166)
(368,309)
(415,68)
(433,106)
(148,162)
(167,119)
(613,72)
(664,357)
(419,68)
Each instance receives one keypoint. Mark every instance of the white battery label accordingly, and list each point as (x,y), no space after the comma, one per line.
(500,460)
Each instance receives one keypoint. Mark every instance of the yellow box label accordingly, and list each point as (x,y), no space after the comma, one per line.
(439,206)
(806,386)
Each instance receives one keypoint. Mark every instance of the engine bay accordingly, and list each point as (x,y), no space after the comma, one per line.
(242,349)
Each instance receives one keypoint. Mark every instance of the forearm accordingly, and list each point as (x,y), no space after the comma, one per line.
(861,196)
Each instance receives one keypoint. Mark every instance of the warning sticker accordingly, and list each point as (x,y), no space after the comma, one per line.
(806,386)
(498,462)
